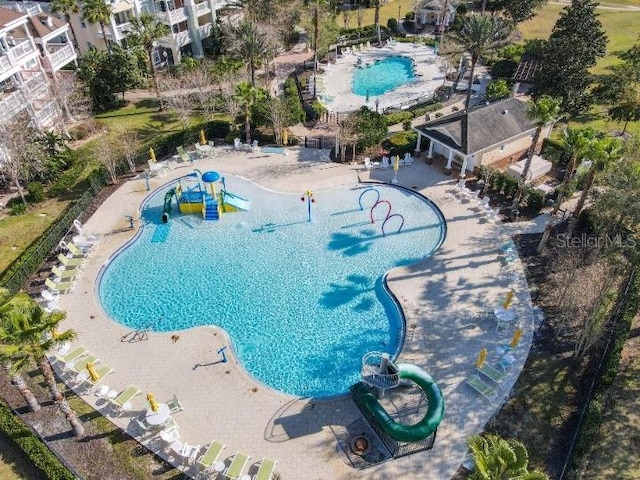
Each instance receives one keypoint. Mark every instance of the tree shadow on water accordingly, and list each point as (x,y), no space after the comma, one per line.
(350,244)
(340,295)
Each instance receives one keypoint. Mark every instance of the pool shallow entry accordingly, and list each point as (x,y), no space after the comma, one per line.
(301,301)
(382,76)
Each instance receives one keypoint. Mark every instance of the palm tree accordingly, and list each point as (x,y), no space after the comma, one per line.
(97,11)
(146,30)
(248,42)
(27,336)
(376,21)
(6,310)
(66,7)
(248,96)
(602,153)
(541,111)
(498,459)
(479,35)
(576,141)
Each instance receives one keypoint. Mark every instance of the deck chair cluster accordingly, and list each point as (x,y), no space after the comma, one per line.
(487,379)
(236,468)
(83,365)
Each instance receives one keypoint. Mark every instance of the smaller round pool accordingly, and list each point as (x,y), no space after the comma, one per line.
(382,76)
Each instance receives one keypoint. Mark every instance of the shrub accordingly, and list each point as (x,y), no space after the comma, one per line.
(439,114)
(454,109)
(406,125)
(509,185)
(36,192)
(18,208)
(503,69)
(401,142)
(394,118)
(420,110)
(68,179)
(392,24)
(534,199)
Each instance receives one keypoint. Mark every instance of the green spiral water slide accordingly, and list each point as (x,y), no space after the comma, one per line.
(398,431)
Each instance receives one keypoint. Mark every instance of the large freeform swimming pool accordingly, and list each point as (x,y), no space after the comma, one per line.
(382,76)
(301,301)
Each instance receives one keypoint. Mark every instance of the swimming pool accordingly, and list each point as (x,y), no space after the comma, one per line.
(382,76)
(302,301)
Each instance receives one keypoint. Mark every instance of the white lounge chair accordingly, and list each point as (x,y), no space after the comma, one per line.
(238,145)
(408,159)
(157,168)
(254,145)
(385,162)
(369,164)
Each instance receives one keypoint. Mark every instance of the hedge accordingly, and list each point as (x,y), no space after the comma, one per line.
(32,446)
(414,112)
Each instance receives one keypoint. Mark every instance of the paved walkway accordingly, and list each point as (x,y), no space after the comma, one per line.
(447,300)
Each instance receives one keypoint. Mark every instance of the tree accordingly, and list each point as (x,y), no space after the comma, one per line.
(576,142)
(278,113)
(517,11)
(248,42)
(98,11)
(66,8)
(370,126)
(626,109)
(541,111)
(376,20)
(130,145)
(28,336)
(577,41)
(479,35)
(248,96)
(146,30)
(498,459)
(6,310)
(498,89)
(108,155)
(602,153)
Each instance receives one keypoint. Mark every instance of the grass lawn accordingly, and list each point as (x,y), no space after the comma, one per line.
(613,454)
(18,232)
(14,464)
(387,11)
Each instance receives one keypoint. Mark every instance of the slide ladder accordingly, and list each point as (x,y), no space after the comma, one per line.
(210,208)
(378,371)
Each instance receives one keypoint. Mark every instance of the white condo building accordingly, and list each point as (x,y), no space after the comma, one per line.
(189,22)
(33,47)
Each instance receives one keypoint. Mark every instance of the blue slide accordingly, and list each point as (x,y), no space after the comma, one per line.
(236,201)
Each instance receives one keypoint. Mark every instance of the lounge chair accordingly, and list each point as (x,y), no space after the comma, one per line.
(238,145)
(157,168)
(102,371)
(75,250)
(60,287)
(482,388)
(123,401)
(182,155)
(370,165)
(81,365)
(72,355)
(408,159)
(174,405)
(237,466)
(64,274)
(492,373)
(211,455)
(265,472)
(254,145)
(385,162)
(70,262)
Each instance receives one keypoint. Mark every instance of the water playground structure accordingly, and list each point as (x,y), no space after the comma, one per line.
(380,374)
(198,193)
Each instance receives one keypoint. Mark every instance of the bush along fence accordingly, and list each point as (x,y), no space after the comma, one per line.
(33,446)
(591,415)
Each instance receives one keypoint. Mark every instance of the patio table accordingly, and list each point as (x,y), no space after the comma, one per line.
(160,417)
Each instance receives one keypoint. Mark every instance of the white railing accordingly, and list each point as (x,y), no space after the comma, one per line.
(34,87)
(44,117)
(5,63)
(204,30)
(124,29)
(31,9)
(203,7)
(11,104)
(23,48)
(173,16)
(182,38)
(59,56)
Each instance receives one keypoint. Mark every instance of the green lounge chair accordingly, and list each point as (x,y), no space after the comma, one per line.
(182,156)
(81,365)
(76,250)
(237,466)
(64,274)
(492,373)
(70,262)
(72,355)
(265,472)
(60,287)
(482,388)
(211,456)
(125,397)
(102,371)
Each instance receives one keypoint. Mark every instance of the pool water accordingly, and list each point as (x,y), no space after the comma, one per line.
(301,301)
(382,76)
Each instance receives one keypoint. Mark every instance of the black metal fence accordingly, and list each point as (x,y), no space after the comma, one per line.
(396,448)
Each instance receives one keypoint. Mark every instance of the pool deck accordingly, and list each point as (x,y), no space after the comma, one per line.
(336,81)
(441,298)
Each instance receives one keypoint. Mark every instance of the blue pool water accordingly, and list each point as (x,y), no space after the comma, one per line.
(302,301)
(382,76)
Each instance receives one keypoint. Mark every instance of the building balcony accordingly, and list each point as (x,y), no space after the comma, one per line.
(173,16)
(16,55)
(58,55)
(35,87)
(176,40)
(202,8)
(45,116)
(205,30)
(11,104)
